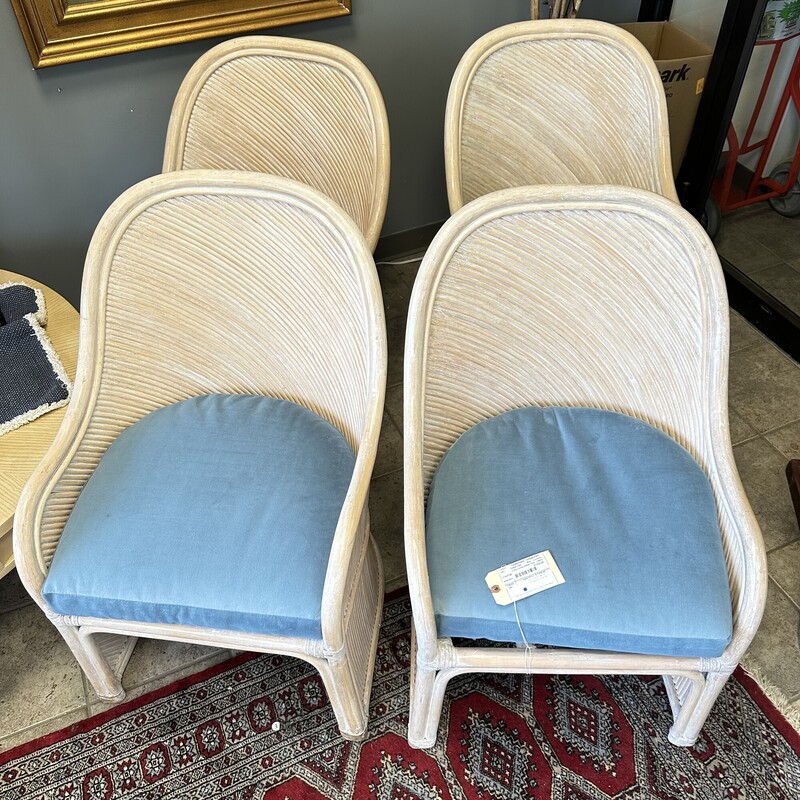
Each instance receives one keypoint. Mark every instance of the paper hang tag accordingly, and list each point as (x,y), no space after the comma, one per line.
(524,578)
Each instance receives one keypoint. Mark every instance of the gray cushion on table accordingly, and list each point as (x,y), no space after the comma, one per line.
(28,380)
(19,299)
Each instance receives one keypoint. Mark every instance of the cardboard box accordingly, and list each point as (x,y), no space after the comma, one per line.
(683,63)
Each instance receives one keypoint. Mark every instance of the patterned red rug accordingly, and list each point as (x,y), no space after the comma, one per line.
(571,738)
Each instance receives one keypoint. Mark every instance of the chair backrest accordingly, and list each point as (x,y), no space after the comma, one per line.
(200,282)
(556,102)
(599,296)
(299,109)
(606,297)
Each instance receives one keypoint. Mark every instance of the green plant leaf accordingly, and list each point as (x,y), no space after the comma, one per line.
(790,11)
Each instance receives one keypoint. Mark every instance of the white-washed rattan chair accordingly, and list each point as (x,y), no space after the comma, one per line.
(203,282)
(304,110)
(557,101)
(603,297)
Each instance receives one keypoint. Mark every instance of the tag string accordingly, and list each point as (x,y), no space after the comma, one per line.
(519,625)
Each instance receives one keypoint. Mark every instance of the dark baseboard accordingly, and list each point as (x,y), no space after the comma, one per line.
(775,320)
(793,476)
(404,243)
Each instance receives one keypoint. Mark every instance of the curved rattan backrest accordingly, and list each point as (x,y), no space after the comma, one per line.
(200,282)
(581,296)
(299,109)
(556,102)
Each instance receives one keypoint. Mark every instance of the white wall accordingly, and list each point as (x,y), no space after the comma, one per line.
(73,137)
(700,18)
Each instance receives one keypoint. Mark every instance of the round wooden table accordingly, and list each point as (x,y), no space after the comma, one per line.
(22,449)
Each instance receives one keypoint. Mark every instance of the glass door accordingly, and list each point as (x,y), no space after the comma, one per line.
(741,173)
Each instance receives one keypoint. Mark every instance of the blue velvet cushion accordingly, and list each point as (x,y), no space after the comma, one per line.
(627,514)
(218,511)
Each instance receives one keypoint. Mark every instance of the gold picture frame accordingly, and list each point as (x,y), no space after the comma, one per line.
(61,31)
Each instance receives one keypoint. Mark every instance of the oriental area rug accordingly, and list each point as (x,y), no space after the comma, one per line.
(502,737)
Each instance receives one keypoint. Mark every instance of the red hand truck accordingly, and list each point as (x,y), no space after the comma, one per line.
(781,189)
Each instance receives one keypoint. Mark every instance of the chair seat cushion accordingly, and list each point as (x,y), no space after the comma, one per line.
(626,512)
(218,511)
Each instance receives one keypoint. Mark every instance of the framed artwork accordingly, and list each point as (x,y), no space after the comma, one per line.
(60,31)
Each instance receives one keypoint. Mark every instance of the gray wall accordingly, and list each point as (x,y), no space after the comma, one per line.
(74,137)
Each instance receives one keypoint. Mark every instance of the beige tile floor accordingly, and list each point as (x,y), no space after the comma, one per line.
(42,689)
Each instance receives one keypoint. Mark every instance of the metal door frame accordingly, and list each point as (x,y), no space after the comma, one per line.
(737,37)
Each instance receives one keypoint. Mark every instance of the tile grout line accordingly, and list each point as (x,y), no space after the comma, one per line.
(764,434)
(16,608)
(781,262)
(768,248)
(784,593)
(386,474)
(86,703)
(391,417)
(745,347)
(745,441)
(197,662)
(780,427)
(393,420)
(207,657)
(41,722)
(765,342)
(785,544)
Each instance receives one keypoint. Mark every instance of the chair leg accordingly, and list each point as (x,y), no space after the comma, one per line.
(424,714)
(348,679)
(105,682)
(346,698)
(695,708)
(427,697)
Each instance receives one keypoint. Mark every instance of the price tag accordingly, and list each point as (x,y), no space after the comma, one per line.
(524,578)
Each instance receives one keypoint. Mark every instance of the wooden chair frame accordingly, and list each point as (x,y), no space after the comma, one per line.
(481,341)
(121,377)
(640,88)
(361,192)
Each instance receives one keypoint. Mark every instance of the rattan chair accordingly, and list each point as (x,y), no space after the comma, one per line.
(601,297)
(556,102)
(202,282)
(299,109)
